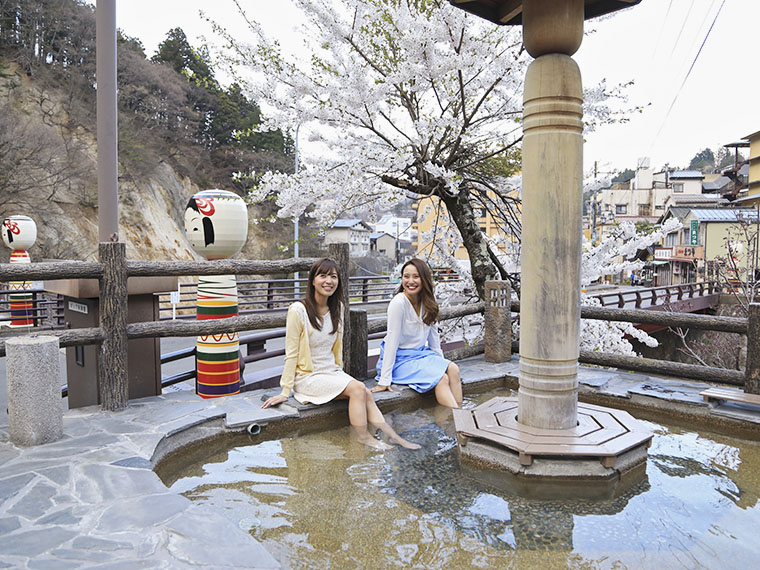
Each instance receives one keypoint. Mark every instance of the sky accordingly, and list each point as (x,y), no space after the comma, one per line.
(697,89)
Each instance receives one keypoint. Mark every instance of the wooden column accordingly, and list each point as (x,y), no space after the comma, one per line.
(552,204)
(752,369)
(338,252)
(113,383)
(357,344)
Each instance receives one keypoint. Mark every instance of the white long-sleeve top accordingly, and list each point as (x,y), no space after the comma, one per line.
(405,330)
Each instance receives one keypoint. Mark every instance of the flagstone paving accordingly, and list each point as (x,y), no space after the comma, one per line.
(92,500)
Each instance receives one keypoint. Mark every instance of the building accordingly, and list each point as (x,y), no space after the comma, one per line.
(750,194)
(433,219)
(397,227)
(383,244)
(354,232)
(689,254)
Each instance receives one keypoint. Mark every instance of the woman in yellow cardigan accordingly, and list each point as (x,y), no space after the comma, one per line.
(313,357)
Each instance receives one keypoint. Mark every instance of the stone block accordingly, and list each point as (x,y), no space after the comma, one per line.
(35,410)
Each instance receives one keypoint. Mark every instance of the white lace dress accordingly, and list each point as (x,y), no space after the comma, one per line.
(327,380)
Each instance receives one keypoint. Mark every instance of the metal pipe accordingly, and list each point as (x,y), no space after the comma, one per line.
(107,119)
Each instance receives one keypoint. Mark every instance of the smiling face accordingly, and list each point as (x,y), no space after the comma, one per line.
(325,284)
(194,229)
(216,223)
(411,281)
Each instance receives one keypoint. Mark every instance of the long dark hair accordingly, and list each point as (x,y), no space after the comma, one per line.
(334,301)
(427,296)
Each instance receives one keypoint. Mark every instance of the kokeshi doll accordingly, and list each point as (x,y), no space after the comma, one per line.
(19,234)
(216,224)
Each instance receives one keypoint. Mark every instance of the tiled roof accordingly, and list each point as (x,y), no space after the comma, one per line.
(724,214)
(686,174)
(346,223)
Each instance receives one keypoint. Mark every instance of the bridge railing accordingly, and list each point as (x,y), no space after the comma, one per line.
(256,296)
(658,296)
(46,311)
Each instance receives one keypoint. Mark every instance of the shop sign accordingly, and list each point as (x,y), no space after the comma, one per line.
(663,253)
(688,251)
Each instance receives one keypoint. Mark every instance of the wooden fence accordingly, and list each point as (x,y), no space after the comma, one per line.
(113,331)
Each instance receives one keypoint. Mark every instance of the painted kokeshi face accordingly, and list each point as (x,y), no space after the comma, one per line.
(19,232)
(216,223)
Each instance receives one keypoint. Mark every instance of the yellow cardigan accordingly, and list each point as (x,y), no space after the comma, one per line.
(297,351)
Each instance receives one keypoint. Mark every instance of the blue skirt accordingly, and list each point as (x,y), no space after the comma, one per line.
(418,368)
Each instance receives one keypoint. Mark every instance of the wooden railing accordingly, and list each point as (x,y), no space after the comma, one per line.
(113,331)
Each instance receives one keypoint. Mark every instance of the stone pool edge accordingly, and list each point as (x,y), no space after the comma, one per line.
(92,499)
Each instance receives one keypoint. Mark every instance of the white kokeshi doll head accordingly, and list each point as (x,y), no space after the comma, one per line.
(216,223)
(19,232)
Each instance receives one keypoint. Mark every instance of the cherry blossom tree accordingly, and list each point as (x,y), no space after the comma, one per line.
(413,98)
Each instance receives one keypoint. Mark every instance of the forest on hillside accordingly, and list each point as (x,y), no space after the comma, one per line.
(172,108)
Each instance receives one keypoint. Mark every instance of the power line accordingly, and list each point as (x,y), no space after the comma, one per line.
(688,73)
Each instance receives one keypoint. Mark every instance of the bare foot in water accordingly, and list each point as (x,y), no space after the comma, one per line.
(393,437)
(370,441)
(404,443)
(363,436)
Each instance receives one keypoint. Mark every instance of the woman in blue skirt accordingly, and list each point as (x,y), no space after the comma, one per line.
(411,353)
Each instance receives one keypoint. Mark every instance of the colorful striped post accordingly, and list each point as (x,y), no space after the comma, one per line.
(19,234)
(216,224)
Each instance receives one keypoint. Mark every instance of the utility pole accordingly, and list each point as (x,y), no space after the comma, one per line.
(296,275)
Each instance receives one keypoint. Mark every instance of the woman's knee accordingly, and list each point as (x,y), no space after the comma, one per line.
(453,370)
(356,389)
(444,381)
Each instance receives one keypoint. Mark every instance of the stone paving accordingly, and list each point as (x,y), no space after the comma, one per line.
(92,500)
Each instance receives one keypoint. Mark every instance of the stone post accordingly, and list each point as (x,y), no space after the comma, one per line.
(339,253)
(752,368)
(498,321)
(35,410)
(552,200)
(358,344)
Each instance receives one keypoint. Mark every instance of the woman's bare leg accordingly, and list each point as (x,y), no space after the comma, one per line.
(356,393)
(455,382)
(376,419)
(443,393)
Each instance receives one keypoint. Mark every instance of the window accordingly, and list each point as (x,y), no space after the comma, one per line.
(621,209)
(678,187)
(659,208)
(644,209)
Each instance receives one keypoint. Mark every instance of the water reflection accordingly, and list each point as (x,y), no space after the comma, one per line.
(319,501)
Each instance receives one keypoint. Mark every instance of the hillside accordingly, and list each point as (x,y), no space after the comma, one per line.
(179,132)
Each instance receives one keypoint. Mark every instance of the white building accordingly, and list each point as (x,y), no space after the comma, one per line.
(399,228)
(354,232)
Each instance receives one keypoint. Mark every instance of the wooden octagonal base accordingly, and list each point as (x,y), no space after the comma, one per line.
(601,457)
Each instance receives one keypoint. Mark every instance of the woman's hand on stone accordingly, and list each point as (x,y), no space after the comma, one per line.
(380,388)
(275,400)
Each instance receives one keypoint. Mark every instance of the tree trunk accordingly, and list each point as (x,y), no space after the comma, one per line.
(461,211)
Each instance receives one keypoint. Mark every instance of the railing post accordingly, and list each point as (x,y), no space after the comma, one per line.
(498,316)
(270,295)
(112,366)
(752,369)
(365,289)
(338,252)
(357,344)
